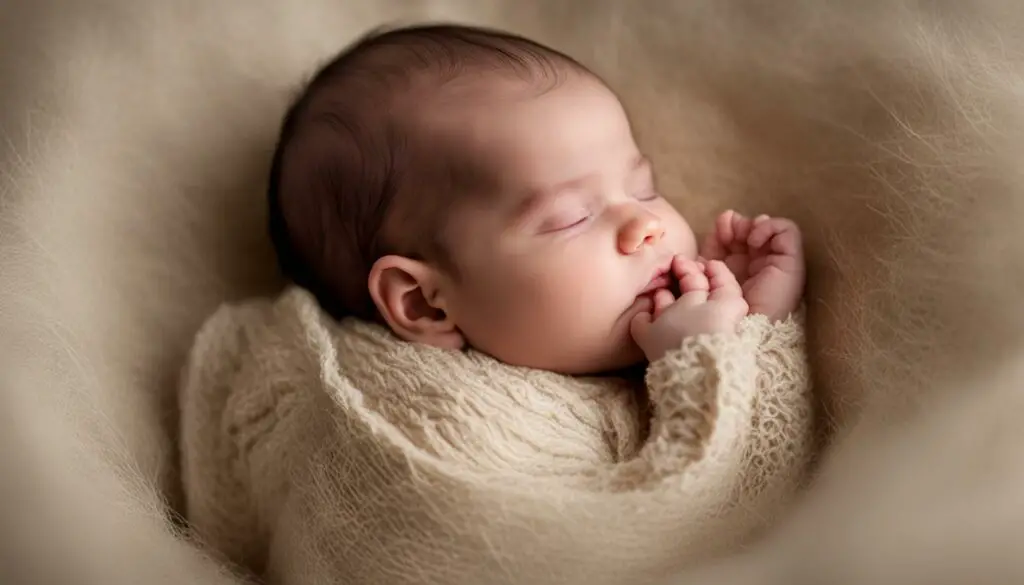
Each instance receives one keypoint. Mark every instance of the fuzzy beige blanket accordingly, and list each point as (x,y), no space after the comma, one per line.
(345,455)
(134,143)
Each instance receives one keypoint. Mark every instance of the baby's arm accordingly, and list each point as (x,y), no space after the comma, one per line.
(701,379)
(702,395)
(782,439)
(732,422)
(732,411)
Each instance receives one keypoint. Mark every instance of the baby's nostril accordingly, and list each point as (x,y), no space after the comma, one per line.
(654,236)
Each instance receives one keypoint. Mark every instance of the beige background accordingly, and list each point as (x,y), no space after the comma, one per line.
(135,136)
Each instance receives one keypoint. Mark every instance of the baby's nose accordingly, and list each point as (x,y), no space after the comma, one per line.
(640,232)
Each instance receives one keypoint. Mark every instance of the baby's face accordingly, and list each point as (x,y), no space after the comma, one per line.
(554,266)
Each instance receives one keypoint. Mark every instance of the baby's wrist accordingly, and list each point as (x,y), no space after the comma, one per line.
(722,328)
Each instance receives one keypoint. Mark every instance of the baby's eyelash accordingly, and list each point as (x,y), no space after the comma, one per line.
(647,195)
(564,221)
(573,224)
(581,220)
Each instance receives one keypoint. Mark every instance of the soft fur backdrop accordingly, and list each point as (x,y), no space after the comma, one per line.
(134,137)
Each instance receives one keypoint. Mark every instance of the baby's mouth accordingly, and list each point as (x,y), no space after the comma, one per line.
(658,282)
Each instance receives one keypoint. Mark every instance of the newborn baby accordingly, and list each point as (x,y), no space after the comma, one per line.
(494,264)
(473,189)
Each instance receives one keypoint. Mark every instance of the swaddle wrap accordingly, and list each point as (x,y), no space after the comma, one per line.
(313,448)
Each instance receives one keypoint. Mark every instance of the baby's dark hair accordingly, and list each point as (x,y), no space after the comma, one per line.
(349,182)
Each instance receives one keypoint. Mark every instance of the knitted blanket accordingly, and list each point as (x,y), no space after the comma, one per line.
(315,450)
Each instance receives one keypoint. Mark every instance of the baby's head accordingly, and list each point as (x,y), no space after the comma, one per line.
(468,187)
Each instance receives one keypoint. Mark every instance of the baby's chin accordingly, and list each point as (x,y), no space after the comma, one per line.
(609,352)
(624,353)
(617,352)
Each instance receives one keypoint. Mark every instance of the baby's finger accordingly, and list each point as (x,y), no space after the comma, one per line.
(787,240)
(741,226)
(723,227)
(782,234)
(694,288)
(639,326)
(681,266)
(663,299)
(722,282)
(761,233)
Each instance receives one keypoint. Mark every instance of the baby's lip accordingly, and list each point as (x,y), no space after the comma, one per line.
(659,279)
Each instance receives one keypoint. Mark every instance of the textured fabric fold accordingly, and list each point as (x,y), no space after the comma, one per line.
(319,450)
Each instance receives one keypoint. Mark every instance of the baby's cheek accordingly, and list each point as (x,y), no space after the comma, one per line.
(559,286)
(516,299)
(684,242)
(678,234)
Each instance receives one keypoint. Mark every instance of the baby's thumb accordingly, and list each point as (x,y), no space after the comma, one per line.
(639,326)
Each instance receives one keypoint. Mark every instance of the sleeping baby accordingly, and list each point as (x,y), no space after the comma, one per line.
(505,348)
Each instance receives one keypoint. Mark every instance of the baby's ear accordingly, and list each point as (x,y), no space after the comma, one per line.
(407,295)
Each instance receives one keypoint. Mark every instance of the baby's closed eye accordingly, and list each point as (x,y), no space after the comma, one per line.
(647,195)
(566,219)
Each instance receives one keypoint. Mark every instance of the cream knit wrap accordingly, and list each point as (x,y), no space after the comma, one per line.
(317,450)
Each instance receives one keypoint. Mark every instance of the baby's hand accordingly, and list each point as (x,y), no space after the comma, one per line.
(711,301)
(728,243)
(766,254)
